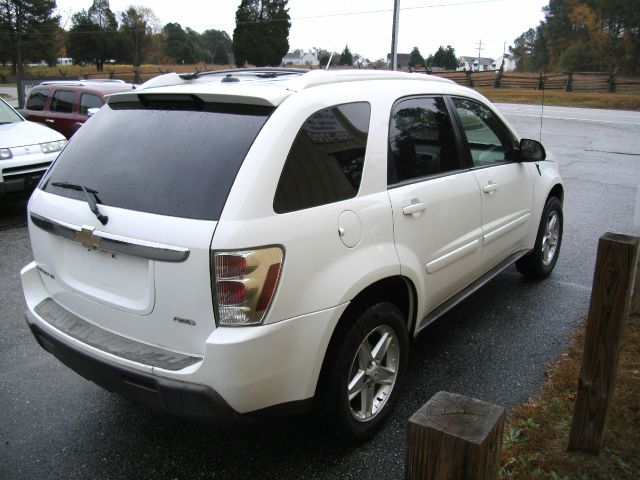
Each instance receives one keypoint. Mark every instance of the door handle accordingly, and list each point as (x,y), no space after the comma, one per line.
(48,120)
(415,209)
(490,188)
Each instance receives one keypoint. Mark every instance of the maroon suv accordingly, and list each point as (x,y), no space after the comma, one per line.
(64,105)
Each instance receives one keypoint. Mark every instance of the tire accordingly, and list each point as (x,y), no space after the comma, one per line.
(374,378)
(540,262)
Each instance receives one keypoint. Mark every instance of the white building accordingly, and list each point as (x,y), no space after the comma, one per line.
(509,63)
(299,58)
(478,64)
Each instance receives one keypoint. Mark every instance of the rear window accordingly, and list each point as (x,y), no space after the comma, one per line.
(37,100)
(176,157)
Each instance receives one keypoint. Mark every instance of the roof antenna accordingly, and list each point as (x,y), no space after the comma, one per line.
(542,110)
(338,37)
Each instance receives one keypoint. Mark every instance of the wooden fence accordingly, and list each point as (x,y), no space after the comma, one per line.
(568,81)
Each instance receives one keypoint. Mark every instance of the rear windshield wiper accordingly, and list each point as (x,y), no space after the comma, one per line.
(90,200)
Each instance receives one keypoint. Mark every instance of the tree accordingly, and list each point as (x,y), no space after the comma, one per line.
(445,57)
(28,30)
(261,36)
(599,35)
(176,43)
(415,58)
(93,36)
(345,57)
(136,34)
(218,44)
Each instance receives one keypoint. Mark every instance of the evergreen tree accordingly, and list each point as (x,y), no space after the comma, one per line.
(27,31)
(261,36)
(136,35)
(415,58)
(93,36)
(445,57)
(345,57)
(176,43)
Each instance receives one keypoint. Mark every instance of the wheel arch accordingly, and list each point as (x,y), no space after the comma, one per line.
(398,290)
(558,192)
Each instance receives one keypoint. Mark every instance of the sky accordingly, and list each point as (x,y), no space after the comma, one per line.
(364,25)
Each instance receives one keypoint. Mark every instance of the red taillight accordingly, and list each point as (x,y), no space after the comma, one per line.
(269,287)
(231,292)
(230,265)
(244,284)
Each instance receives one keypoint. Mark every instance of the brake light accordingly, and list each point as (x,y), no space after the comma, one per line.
(243,284)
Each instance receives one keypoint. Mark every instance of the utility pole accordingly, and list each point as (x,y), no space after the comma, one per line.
(479,44)
(394,35)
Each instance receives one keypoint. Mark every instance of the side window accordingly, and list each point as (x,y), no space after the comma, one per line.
(62,101)
(326,159)
(87,101)
(490,141)
(37,100)
(421,140)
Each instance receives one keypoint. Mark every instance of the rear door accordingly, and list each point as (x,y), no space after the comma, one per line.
(61,112)
(506,185)
(435,200)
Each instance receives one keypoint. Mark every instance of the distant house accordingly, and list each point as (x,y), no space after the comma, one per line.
(300,58)
(509,63)
(476,64)
(402,58)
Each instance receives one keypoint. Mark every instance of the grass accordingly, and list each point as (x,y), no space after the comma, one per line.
(615,101)
(535,438)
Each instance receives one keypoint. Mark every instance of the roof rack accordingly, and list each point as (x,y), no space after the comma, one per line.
(264,72)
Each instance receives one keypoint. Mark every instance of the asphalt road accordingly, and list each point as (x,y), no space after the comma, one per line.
(494,346)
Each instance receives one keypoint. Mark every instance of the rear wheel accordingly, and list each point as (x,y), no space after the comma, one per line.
(360,385)
(541,261)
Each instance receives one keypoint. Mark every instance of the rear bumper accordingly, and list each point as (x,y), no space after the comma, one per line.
(192,401)
(245,373)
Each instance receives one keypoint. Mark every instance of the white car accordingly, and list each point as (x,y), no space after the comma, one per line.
(239,244)
(26,151)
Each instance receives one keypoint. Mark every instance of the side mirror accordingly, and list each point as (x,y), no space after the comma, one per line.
(531,151)
(92,110)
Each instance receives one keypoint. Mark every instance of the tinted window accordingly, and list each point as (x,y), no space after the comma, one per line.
(176,158)
(62,101)
(87,101)
(421,140)
(37,100)
(326,159)
(490,141)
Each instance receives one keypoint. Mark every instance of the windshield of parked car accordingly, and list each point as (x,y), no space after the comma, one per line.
(8,114)
(174,156)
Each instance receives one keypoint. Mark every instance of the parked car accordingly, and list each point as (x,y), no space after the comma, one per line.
(251,242)
(26,151)
(66,105)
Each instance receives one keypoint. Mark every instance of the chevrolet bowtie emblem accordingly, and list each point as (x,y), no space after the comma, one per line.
(87,238)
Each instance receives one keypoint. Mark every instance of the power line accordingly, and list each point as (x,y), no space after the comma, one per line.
(308,17)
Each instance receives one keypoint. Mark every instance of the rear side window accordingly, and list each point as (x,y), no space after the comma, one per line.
(326,159)
(421,140)
(37,100)
(176,157)
(87,101)
(62,101)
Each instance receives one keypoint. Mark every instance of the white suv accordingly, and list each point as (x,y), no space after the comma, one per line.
(244,243)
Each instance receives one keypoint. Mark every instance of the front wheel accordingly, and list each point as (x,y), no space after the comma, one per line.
(361,384)
(540,262)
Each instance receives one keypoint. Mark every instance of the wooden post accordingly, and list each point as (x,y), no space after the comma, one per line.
(610,300)
(568,84)
(634,308)
(454,437)
(469,78)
